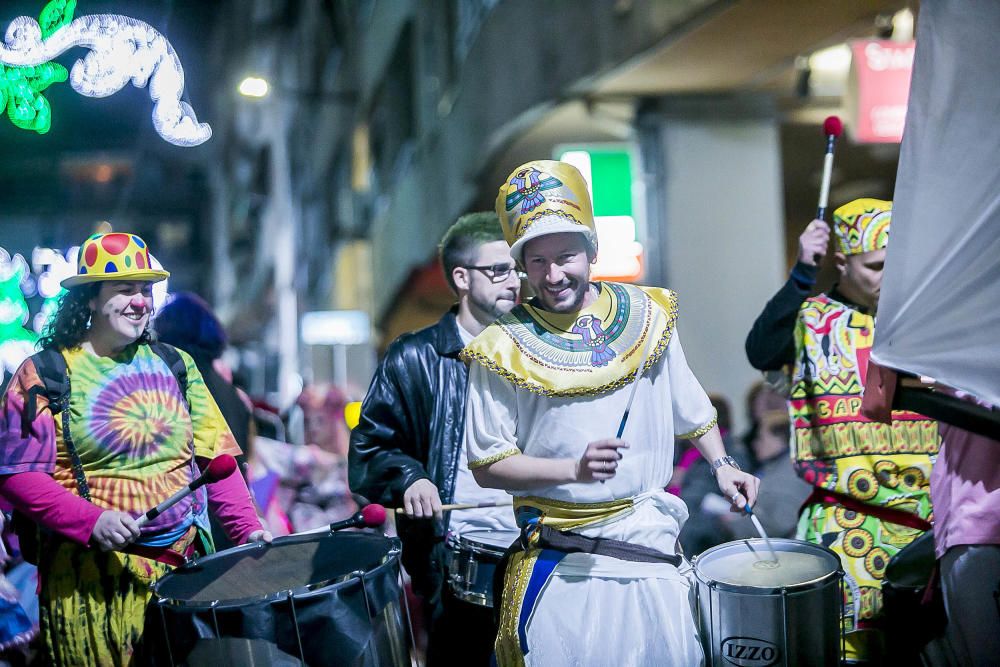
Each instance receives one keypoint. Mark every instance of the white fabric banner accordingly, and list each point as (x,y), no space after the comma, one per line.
(939,311)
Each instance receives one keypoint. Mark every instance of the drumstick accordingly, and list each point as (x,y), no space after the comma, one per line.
(760,529)
(218,468)
(631,395)
(465,506)
(635,384)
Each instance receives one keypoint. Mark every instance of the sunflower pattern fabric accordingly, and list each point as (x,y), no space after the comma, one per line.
(838,450)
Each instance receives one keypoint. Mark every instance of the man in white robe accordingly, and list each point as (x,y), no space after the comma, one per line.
(548,385)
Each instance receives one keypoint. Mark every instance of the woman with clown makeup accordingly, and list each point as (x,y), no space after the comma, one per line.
(132,424)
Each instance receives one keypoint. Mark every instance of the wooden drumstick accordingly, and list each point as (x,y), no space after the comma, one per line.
(464,506)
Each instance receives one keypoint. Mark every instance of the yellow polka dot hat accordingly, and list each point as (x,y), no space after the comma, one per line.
(862,225)
(114,256)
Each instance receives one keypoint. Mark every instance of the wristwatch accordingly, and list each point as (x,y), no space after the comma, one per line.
(724,461)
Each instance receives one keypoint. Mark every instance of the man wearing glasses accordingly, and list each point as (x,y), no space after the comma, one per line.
(407,447)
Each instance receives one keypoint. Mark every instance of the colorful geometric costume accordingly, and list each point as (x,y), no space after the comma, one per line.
(541,386)
(137,441)
(871,480)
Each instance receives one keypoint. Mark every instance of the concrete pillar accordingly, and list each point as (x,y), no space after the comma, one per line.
(720,214)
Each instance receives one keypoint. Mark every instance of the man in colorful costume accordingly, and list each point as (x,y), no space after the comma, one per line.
(597,582)
(870,480)
(124,437)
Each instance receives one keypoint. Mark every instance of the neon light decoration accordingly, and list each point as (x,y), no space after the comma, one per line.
(121,49)
(16,342)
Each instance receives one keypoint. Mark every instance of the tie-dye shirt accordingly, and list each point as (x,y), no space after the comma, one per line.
(130,427)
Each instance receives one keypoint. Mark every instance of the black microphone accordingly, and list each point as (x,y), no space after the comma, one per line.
(370,516)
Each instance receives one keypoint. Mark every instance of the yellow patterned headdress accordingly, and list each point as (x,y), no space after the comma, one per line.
(862,225)
(544,197)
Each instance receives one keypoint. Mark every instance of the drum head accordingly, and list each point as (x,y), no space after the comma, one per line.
(499,540)
(295,563)
(748,564)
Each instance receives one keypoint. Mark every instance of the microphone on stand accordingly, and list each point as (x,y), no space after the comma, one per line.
(370,516)
(218,468)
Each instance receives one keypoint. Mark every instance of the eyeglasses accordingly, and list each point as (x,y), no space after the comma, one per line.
(497,273)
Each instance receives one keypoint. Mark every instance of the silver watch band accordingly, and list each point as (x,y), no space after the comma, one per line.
(724,461)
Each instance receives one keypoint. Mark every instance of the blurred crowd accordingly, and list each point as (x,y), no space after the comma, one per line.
(762,450)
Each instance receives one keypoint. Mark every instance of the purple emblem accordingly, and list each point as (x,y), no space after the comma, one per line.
(589,328)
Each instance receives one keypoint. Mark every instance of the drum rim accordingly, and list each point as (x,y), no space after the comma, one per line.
(391,556)
(468,544)
(811,584)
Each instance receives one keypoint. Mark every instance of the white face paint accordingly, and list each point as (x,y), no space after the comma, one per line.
(120,313)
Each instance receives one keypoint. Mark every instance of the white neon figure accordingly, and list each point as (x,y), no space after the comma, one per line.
(121,48)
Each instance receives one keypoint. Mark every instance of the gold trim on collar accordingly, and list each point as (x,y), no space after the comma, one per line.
(593,351)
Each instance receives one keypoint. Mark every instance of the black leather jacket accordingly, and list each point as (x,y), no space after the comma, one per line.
(411,427)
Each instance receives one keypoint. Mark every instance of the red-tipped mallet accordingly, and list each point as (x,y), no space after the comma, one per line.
(370,516)
(832,128)
(218,468)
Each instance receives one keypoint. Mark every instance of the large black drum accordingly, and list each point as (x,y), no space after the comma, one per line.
(313,599)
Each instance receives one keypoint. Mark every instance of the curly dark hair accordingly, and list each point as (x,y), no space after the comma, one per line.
(71,323)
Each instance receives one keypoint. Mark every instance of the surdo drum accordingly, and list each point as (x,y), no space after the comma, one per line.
(308,599)
(755,614)
(473,564)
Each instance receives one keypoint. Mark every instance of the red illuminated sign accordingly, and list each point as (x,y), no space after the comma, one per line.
(879,89)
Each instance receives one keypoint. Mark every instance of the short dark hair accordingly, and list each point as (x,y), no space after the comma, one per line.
(462,240)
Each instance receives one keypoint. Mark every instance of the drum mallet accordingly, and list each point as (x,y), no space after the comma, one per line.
(832,128)
(218,468)
(370,516)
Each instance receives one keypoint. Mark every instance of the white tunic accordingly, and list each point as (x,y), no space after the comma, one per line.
(468,491)
(598,610)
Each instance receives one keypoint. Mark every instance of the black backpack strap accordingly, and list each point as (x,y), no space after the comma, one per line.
(51,368)
(172,358)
